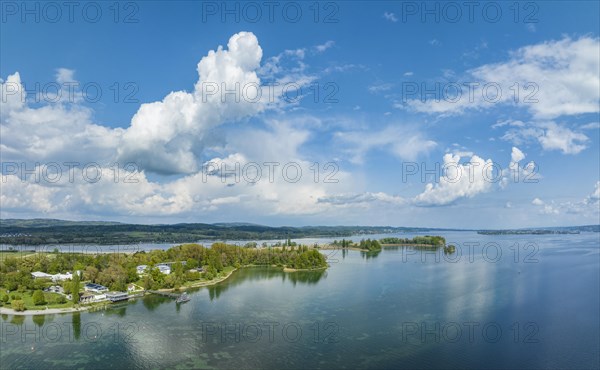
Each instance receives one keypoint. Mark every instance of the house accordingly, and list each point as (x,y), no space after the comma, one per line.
(86,298)
(61,277)
(91,298)
(162,267)
(96,288)
(54,278)
(165,269)
(117,296)
(41,275)
(55,289)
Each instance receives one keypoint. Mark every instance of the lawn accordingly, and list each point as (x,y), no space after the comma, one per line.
(27,298)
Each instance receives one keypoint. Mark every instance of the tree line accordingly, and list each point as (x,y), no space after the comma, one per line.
(427,240)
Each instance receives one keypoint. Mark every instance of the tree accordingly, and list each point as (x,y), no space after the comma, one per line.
(75,288)
(18,305)
(61,299)
(157,276)
(91,273)
(148,282)
(191,263)
(67,285)
(38,298)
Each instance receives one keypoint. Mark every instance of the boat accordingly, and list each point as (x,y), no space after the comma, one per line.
(184,297)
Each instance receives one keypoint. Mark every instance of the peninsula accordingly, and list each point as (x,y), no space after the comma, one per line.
(32,281)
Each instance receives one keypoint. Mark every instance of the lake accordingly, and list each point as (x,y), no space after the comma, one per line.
(501,301)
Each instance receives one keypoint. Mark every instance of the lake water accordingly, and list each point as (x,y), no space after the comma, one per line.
(499,302)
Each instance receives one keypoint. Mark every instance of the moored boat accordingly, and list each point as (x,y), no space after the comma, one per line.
(184,297)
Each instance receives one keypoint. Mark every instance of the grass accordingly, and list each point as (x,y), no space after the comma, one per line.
(15,254)
(227,269)
(24,254)
(27,298)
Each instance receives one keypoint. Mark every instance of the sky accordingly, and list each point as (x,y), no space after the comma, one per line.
(432,114)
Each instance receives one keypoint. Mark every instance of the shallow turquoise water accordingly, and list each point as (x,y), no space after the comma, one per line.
(502,302)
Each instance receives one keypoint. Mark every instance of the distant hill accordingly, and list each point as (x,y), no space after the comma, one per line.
(234,224)
(51,231)
(49,222)
(543,230)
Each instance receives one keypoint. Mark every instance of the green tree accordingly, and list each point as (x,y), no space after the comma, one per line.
(191,263)
(38,298)
(75,288)
(157,276)
(18,305)
(67,285)
(91,273)
(61,299)
(148,282)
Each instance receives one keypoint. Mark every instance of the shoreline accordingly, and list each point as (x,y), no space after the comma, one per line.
(333,247)
(202,283)
(54,311)
(49,311)
(289,269)
(413,245)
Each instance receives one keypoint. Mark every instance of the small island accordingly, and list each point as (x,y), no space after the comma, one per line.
(374,246)
(368,245)
(66,282)
(436,241)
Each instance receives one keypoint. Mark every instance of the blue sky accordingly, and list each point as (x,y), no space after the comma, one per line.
(158,122)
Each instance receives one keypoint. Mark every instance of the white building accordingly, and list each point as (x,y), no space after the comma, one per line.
(41,275)
(96,288)
(165,269)
(54,278)
(61,277)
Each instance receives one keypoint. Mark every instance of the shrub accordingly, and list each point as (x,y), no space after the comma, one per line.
(61,299)
(38,298)
(18,305)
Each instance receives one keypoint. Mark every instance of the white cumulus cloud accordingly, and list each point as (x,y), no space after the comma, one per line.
(554,78)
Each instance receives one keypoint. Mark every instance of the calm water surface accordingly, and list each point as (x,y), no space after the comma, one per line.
(499,302)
